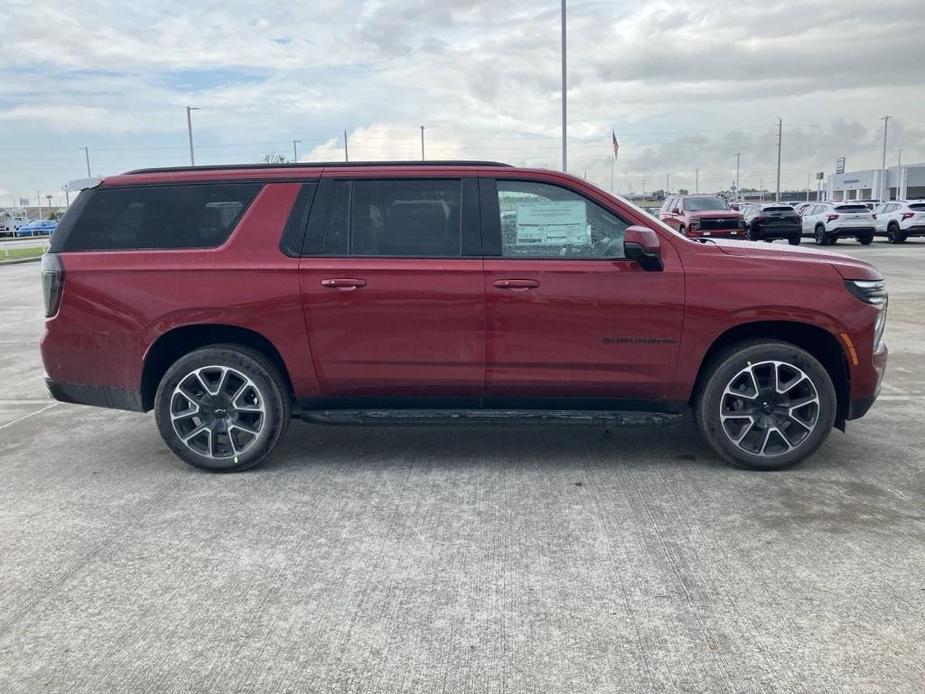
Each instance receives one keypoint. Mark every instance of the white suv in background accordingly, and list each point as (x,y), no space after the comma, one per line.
(829,221)
(900,219)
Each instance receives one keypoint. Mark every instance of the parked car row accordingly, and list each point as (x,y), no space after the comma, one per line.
(16,227)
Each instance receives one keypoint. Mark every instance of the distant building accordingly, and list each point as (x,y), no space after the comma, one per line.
(865,185)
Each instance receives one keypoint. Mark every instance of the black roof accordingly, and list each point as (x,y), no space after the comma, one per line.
(317,165)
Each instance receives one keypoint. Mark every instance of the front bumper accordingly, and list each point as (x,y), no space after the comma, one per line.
(717,233)
(858,406)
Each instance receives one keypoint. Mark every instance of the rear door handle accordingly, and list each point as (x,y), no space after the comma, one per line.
(516,285)
(344,284)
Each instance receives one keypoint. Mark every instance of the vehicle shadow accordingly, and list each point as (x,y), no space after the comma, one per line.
(529,446)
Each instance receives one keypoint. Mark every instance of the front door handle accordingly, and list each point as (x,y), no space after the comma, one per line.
(516,285)
(344,284)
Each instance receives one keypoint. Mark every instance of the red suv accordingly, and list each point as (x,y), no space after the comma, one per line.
(702,215)
(229,299)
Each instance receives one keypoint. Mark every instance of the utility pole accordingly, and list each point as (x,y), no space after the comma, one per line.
(189,130)
(696,180)
(87,156)
(886,122)
(738,194)
(761,186)
(67,195)
(807,187)
(564,97)
(780,137)
(346,151)
(295,151)
(643,189)
(38,195)
(667,180)
(422,143)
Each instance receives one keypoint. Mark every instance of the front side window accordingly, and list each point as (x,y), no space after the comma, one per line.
(539,220)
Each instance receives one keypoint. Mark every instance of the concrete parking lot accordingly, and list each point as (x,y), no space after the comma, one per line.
(504,559)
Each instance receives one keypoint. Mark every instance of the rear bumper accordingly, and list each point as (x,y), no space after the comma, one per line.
(851,231)
(781,232)
(97,396)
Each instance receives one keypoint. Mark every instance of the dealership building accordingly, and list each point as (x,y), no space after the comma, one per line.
(902,183)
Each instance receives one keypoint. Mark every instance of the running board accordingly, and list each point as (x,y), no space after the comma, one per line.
(615,418)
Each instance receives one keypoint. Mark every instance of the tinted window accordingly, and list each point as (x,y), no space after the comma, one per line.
(918,206)
(406,218)
(191,216)
(852,208)
(539,220)
(701,204)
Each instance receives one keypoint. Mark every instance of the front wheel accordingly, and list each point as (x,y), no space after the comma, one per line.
(222,408)
(794,240)
(894,235)
(821,238)
(765,405)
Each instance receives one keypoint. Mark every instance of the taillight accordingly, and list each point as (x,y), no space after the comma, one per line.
(760,219)
(831,217)
(907,215)
(52,282)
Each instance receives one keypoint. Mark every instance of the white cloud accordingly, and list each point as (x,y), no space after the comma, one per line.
(686,84)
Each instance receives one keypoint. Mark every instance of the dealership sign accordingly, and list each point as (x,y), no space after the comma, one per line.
(840,165)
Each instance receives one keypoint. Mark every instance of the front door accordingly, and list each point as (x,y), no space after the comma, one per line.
(568,316)
(391,283)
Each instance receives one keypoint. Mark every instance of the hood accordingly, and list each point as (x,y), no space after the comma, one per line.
(714,214)
(849,268)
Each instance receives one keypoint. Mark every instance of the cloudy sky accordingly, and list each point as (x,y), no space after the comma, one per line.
(686,84)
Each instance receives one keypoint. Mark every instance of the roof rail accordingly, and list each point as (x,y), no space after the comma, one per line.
(315,165)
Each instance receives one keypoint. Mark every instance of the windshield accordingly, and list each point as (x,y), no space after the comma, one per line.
(701,204)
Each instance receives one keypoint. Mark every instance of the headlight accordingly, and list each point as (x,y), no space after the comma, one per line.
(868,291)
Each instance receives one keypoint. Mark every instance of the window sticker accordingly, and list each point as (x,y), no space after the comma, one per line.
(552,223)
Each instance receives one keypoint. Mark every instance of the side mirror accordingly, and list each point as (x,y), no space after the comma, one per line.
(642,245)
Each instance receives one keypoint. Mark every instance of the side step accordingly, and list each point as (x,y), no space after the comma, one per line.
(615,418)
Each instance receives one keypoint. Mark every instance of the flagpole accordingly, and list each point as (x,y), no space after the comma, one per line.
(613,159)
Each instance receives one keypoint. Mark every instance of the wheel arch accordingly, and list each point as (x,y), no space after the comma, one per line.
(819,342)
(173,344)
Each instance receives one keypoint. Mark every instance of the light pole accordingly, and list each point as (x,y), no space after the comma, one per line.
(899,175)
(67,195)
(564,97)
(643,189)
(422,143)
(886,122)
(696,180)
(346,152)
(667,179)
(295,151)
(189,130)
(738,194)
(780,137)
(87,157)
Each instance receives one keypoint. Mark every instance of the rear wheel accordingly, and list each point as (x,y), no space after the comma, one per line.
(866,239)
(222,408)
(794,240)
(822,238)
(894,234)
(765,405)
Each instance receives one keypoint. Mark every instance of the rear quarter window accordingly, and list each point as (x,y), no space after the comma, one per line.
(159,217)
(918,207)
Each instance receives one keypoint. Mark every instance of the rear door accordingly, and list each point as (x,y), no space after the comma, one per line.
(568,315)
(391,282)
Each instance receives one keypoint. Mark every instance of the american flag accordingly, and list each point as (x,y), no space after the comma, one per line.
(616,145)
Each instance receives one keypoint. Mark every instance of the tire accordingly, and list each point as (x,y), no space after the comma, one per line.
(894,235)
(866,240)
(778,434)
(682,230)
(822,238)
(794,240)
(752,234)
(245,400)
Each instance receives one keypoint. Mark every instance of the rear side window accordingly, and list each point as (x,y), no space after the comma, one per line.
(918,206)
(160,217)
(390,218)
